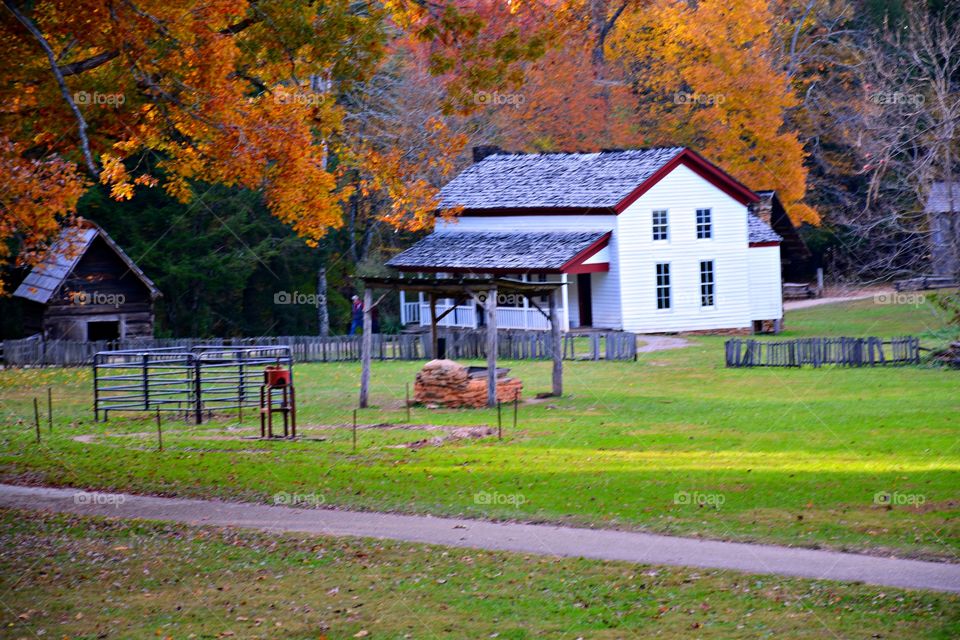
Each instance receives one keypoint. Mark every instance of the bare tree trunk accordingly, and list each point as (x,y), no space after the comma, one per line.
(323,313)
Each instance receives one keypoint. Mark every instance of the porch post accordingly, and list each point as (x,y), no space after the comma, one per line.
(557,345)
(403,307)
(491,305)
(566,302)
(366,346)
(526,306)
(433,326)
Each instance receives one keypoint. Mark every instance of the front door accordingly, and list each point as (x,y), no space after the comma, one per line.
(585,299)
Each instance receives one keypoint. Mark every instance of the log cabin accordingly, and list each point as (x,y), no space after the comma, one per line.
(85,288)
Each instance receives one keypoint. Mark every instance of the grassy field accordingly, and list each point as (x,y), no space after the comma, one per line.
(71,577)
(672,443)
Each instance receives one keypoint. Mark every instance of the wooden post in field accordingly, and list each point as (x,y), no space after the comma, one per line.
(36,418)
(159,432)
(491,305)
(50,409)
(433,327)
(354,430)
(366,347)
(557,346)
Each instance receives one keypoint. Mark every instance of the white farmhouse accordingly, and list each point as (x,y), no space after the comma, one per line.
(652,240)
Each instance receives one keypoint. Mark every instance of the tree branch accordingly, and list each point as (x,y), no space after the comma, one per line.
(51,56)
(92,62)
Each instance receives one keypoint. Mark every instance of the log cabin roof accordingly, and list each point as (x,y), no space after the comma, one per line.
(485,252)
(759,231)
(48,275)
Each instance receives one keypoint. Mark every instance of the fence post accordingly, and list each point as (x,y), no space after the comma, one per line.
(36,418)
(159,433)
(197,390)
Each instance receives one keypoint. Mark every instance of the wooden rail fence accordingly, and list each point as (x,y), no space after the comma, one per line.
(846,352)
(464,344)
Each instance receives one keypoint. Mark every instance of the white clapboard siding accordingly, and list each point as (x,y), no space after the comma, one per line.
(766,298)
(681,193)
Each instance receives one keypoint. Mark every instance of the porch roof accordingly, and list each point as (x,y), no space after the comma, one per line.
(486,252)
(454,286)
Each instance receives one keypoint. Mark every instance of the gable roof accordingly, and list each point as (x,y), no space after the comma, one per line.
(938,200)
(487,252)
(48,275)
(602,182)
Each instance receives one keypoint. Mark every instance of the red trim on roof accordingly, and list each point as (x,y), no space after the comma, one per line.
(575,264)
(768,243)
(702,167)
(597,267)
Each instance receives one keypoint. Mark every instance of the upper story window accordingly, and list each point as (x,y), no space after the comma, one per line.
(704,224)
(663,285)
(661,226)
(707,282)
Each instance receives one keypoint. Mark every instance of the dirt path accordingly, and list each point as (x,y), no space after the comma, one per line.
(524,538)
(653,343)
(816,302)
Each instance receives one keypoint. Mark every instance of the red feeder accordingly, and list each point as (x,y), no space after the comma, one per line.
(277,376)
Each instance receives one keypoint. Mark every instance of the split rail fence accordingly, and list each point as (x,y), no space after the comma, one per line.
(817,352)
(457,344)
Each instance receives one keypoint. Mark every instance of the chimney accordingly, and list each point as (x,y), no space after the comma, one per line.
(764,208)
(482,151)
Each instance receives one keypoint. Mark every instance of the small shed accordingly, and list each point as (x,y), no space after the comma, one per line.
(943,216)
(86,288)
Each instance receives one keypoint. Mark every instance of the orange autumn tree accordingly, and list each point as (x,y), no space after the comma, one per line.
(236,92)
(707,76)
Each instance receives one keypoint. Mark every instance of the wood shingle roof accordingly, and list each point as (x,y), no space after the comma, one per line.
(554,180)
(485,252)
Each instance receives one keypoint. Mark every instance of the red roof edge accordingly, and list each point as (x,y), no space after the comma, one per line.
(575,264)
(768,243)
(702,167)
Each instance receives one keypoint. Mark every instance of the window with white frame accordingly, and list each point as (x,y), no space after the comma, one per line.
(704,224)
(663,285)
(661,228)
(707,283)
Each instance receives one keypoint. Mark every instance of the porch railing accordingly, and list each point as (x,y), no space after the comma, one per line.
(467,317)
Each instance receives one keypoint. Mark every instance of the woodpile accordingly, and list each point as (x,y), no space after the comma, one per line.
(950,356)
(445,383)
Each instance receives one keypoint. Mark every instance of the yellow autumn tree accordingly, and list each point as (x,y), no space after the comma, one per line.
(241,93)
(706,75)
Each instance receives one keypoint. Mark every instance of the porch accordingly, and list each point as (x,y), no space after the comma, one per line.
(470,315)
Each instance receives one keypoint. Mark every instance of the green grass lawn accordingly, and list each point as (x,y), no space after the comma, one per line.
(672,443)
(70,577)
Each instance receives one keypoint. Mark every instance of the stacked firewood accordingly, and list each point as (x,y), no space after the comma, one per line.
(950,356)
(445,383)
